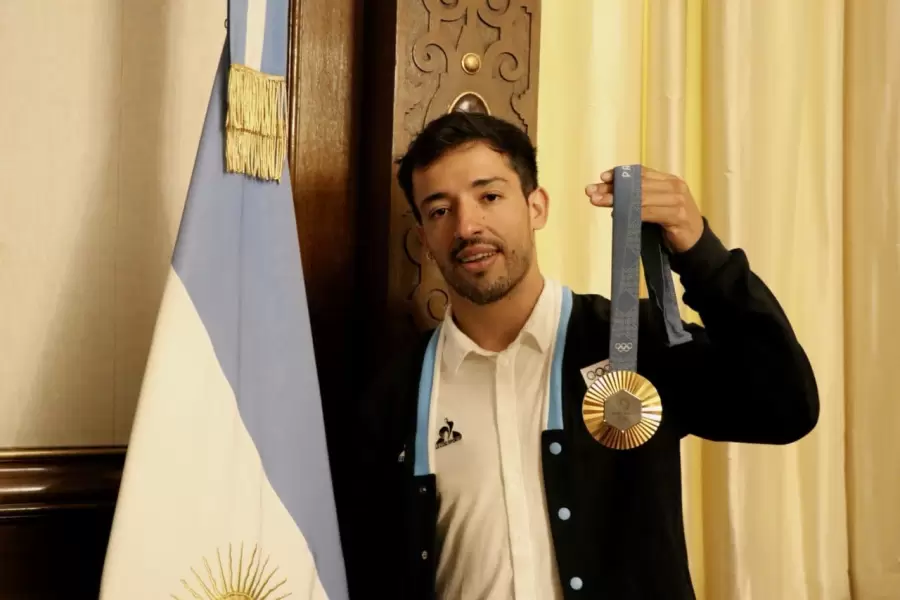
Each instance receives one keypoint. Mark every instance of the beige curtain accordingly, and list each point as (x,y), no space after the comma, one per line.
(784,119)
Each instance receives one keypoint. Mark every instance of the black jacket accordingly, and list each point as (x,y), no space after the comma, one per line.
(743,378)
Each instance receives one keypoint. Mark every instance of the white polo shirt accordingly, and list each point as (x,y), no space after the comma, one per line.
(487,415)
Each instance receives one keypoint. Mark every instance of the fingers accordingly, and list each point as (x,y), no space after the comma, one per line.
(650,179)
(598,189)
(667,216)
(660,193)
(654,175)
(665,200)
(656,192)
(663,215)
(604,200)
(659,185)
(600,194)
(646,173)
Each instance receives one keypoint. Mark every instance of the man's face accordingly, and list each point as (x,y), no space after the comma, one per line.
(476,222)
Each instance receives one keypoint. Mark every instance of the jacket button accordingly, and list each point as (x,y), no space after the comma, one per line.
(424,554)
(576,583)
(555,448)
(422,490)
(564,513)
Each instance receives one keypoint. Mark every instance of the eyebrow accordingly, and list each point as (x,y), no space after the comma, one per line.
(487,181)
(475,184)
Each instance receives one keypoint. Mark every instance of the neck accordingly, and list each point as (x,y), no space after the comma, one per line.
(495,326)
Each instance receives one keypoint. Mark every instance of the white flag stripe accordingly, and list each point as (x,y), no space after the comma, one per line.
(216,495)
(256,33)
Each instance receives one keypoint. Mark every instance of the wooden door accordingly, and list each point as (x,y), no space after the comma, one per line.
(423,59)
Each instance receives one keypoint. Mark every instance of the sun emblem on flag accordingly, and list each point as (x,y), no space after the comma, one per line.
(255,581)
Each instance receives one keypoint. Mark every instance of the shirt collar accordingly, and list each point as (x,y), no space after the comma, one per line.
(540,329)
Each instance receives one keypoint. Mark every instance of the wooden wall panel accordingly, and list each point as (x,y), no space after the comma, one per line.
(56,510)
(425,58)
(323,70)
(323,91)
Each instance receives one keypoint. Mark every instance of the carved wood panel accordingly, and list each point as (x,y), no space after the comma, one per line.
(475,55)
(478,55)
(482,52)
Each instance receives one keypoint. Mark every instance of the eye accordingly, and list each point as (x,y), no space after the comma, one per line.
(491,197)
(438,212)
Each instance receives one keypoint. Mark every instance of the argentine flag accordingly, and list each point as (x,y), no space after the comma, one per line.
(227,492)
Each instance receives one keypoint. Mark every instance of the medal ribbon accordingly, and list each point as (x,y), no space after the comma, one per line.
(634,240)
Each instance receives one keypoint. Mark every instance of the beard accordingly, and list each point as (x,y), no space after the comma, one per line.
(486,287)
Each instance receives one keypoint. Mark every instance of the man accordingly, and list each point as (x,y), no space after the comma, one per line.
(466,494)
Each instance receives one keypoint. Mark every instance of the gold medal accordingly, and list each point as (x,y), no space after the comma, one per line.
(622,410)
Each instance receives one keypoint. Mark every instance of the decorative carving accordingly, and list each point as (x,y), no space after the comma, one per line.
(470,102)
(461,33)
(466,55)
(437,304)
(471,63)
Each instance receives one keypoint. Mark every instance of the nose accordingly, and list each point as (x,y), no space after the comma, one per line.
(469,218)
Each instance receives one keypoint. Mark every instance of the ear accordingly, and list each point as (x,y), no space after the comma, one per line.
(538,208)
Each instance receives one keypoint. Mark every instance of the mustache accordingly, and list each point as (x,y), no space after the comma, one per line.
(461,244)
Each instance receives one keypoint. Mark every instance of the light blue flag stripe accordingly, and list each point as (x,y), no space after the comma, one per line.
(274,54)
(237,29)
(238,256)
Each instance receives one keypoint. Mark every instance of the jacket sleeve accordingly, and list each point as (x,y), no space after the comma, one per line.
(745,376)
(371,540)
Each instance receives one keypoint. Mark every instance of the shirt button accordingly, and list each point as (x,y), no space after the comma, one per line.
(564,513)
(555,448)
(575,583)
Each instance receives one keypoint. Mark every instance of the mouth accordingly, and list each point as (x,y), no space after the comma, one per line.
(477,261)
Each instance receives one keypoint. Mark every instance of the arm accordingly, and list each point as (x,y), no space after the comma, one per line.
(375,546)
(374,494)
(744,377)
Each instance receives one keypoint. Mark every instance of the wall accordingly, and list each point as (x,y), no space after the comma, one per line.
(100,112)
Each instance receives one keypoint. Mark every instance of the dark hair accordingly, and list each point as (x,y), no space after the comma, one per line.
(457,128)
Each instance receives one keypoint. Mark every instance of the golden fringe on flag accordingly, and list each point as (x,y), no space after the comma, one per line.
(256,123)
